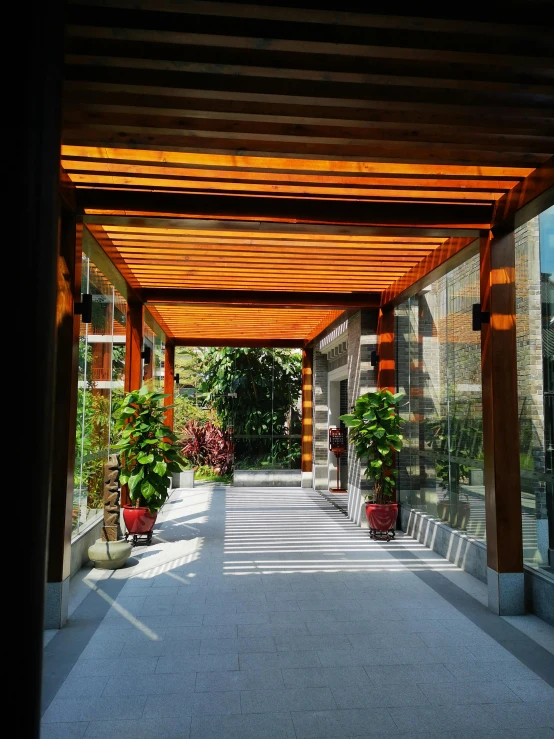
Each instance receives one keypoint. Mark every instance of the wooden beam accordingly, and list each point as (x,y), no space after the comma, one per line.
(260,298)
(169,381)
(408,214)
(265,343)
(500,411)
(128,218)
(325,323)
(526,200)
(307,412)
(453,252)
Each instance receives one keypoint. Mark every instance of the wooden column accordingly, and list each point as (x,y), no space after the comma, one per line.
(65,419)
(169,381)
(500,424)
(133,360)
(35,246)
(134,339)
(386,377)
(307,417)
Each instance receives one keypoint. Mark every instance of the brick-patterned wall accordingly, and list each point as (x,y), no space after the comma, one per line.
(362,377)
(529,360)
(320,421)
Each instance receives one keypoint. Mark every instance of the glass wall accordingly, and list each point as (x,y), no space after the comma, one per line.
(100,386)
(268,436)
(535,350)
(439,370)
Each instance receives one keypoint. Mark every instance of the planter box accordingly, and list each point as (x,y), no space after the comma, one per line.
(267,478)
(184,479)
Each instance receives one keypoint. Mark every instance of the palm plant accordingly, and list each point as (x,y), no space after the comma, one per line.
(147,448)
(375,433)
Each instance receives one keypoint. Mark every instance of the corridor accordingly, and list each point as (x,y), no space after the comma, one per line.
(264,613)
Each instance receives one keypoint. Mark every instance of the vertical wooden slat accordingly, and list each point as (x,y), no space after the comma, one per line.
(169,381)
(307,410)
(65,399)
(386,378)
(500,405)
(133,360)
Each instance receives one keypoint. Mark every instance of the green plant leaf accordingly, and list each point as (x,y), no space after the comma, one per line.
(145,458)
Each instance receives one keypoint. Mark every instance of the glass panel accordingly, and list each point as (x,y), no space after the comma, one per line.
(439,370)
(535,350)
(100,383)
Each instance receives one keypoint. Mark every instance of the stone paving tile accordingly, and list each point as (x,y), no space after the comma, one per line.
(251,726)
(241,645)
(285,643)
(459,692)
(154,684)
(278,660)
(198,663)
(411,674)
(531,691)
(87,709)
(342,724)
(378,696)
(265,679)
(184,633)
(191,704)
(436,718)
(172,727)
(94,667)
(354,677)
(83,687)
(257,631)
(345,657)
(376,640)
(490,671)
(278,700)
(73,730)
(524,715)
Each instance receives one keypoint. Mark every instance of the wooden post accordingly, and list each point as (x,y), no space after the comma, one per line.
(36,248)
(169,381)
(65,419)
(500,425)
(133,360)
(307,417)
(386,377)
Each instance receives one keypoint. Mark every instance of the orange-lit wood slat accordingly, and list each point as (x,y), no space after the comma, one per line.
(248,323)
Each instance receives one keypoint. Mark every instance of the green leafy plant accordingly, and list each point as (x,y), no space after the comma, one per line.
(375,433)
(147,448)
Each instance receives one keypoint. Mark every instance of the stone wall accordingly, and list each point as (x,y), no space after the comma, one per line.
(362,377)
(320,420)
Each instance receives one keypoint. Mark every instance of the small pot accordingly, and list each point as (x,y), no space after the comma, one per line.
(138,520)
(381,518)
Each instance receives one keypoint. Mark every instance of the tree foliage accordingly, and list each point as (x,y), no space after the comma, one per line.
(267,384)
(375,433)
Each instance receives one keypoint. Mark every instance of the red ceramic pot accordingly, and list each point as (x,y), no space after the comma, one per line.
(138,520)
(381,517)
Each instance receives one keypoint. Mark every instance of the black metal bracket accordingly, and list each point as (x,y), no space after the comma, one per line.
(479,317)
(84,308)
(374,358)
(146,354)
(176,378)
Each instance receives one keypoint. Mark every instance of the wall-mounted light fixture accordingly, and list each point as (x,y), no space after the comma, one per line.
(374,358)
(176,378)
(84,308)
(146,354)
(479,317)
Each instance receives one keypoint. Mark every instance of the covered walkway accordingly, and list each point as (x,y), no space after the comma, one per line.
(266,613)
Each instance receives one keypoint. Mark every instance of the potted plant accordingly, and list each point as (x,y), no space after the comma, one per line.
(375,433)
(148,455)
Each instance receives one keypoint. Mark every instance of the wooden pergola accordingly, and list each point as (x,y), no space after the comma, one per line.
(248,172)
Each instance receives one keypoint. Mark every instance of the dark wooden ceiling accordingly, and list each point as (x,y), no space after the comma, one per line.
(410,118)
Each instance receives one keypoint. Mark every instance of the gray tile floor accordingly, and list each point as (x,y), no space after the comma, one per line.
(266,614)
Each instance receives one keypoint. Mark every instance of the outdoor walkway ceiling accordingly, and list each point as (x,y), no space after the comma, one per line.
(236,159)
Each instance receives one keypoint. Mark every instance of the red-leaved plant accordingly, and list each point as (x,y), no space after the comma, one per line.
(207,444)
